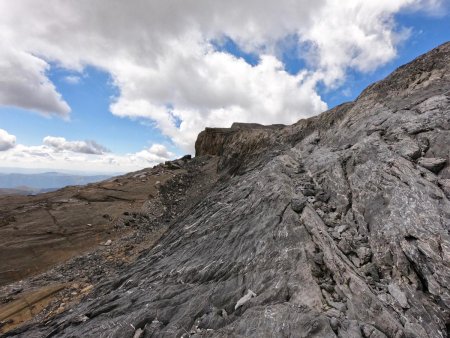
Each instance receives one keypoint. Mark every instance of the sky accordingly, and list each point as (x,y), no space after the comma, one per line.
(116,86)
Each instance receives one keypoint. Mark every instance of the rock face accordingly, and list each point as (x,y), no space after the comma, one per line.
(336,226)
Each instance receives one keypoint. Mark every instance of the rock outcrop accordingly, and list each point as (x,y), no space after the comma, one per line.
(336,226)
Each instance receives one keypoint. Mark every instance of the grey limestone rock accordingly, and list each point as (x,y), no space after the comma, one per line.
(432,164)
(399,295)
(244,299)
(298,203)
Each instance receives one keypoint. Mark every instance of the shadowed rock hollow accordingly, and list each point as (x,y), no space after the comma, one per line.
(336,226)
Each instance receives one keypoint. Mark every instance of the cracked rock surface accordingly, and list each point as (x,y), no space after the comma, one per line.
(336,226)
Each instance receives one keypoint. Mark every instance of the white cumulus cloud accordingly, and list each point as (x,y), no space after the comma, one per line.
(7,141)
(55,153)
(86,147)
(160,151)
(72,79)
(24,84)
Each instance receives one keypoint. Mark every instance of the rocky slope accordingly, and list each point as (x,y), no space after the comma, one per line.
(80,235)
(336,226)
(38,231)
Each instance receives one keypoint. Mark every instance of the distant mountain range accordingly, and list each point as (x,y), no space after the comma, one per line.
(14,183)
(23,191)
